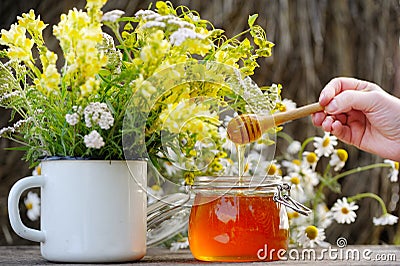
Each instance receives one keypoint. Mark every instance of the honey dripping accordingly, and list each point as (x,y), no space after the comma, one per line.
(240,151)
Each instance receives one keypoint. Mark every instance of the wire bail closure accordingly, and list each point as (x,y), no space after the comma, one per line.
(282,195)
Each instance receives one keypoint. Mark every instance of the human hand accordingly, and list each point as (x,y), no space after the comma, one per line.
(362,114)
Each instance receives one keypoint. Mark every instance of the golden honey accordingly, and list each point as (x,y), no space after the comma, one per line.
(236,225)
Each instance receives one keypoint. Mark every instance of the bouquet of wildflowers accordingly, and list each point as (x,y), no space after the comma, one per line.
(105,97)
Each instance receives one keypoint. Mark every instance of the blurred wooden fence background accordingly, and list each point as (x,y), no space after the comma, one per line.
(316,40)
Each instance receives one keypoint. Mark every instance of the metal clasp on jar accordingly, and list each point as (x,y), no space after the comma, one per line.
(282,195)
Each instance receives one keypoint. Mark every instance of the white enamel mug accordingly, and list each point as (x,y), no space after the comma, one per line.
(91,210)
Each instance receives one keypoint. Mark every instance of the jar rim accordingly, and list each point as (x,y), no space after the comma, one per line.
(234,182)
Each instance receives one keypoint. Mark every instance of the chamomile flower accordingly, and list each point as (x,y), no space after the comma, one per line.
(310,176)
(295,218)
(37,170)
(287,105)
(273,168)
(310,159)
(338,159)
(170,167)
(325,146)
(294,147)
(292,166)
(343,211)
(394,174)
(155,192)
(32,204)
(181,244)
(311,236)
(296,191)
(261,144)
(324,216)
(385,219)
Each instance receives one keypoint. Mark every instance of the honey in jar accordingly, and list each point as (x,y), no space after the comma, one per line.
(233,222)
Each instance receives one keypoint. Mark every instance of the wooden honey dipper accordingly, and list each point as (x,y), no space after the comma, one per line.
(248,128)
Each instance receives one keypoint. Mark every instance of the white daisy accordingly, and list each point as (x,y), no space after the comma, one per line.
(310,176)
(324,216)
(295,218)
(170,168)
(294,147)
(385,219)
(181,244)
(37,170)
(261,144)
(325,146)
(227,145)
(310,159)
(272,168)
(32,204)
(394,174)
(287,105)
(311,236)
(296,190)
(292,166)
(338,159)
(343,211)
(155,192)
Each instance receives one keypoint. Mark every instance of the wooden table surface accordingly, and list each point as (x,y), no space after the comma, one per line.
(350,255)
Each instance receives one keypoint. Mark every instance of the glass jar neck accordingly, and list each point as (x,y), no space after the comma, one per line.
(224,183)
(250,185)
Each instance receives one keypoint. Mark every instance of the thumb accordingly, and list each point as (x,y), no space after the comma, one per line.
(348,100)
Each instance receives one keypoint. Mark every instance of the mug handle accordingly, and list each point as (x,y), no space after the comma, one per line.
(13,208)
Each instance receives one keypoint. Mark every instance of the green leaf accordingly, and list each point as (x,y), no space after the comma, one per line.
(252,19)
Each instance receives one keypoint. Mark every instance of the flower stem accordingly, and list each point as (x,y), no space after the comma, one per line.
(369,195)
(285,136)
(360,169)
(303,146)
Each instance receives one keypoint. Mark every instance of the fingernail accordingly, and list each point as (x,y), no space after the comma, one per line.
(331,107)
(321,96)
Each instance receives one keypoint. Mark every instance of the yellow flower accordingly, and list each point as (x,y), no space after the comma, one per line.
(20,47)
(189,178)
(91,85)
(79,39)
(95,3)
(34,25)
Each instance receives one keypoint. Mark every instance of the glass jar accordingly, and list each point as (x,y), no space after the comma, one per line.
(232,219)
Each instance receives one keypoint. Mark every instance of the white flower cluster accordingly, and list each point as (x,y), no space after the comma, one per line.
(95,113)
(15,127)
(185,30)
(98,113)
(72,119)
(112,16)
(9,96)
(94,140)
(179,36)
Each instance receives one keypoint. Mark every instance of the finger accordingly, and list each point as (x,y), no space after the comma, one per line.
(341,131)
(327,124)
(351,99)
(318,118)
(338,85)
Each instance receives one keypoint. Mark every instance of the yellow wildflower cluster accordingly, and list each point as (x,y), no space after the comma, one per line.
(80,34)
(20,47)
